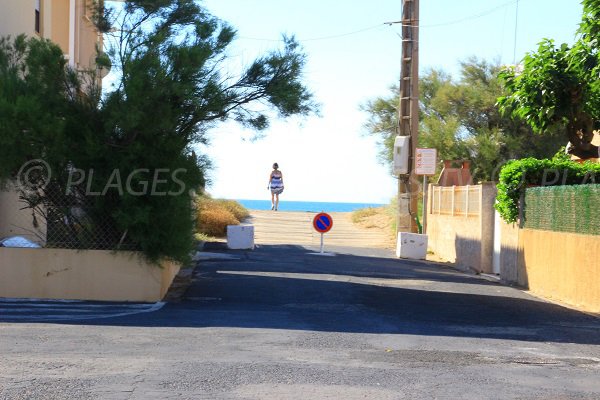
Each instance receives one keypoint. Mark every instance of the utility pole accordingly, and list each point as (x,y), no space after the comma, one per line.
(408,113)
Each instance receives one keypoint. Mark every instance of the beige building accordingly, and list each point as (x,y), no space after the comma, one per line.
(65,22)
(68,24)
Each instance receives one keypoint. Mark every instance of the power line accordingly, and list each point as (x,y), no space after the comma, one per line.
(472,17)
(319,38)
(336,36)
(516,26)
(464,19)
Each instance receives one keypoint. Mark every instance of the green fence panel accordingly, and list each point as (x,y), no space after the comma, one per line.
(563,209)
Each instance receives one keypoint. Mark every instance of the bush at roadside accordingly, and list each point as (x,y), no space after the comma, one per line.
(239,212)
(517,175)
(213,215)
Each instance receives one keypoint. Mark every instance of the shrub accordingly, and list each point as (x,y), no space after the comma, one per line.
(213,215)
(213,222)
(517,175)
(238,211)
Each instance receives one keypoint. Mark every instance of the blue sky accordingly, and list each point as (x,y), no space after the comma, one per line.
(353,57)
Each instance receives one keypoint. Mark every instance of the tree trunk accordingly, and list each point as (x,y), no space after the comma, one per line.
(581,134)
(584,152)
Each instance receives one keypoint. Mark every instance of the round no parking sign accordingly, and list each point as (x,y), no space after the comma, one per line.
(322,222)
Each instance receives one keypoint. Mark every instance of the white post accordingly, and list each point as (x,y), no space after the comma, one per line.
(497,244)
(424,222)
(321,243)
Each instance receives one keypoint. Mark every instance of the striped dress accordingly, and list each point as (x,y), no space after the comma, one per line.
(276,183)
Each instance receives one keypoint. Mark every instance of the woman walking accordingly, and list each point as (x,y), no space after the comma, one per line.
(276,186)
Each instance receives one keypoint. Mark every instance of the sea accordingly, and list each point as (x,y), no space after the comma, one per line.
(314,206)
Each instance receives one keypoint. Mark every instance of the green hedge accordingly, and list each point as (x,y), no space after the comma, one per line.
(563,209)
(518,175)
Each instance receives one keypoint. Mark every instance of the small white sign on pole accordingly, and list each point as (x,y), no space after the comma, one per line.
(425,165)
(425,161)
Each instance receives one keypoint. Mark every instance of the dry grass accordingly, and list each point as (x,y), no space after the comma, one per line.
(239,212)
(375,218)
(213,216)
(363,214)
(214,222)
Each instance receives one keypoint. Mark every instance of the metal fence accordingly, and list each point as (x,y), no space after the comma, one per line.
(456,200)
(84,228)
(73,225)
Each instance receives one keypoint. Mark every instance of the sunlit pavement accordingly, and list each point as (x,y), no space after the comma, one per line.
(281,323)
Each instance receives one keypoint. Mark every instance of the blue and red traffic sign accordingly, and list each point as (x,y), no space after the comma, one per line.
(322,222)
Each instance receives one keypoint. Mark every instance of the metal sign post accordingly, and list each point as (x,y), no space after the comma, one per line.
(425,164)
(321,244)
(322,222)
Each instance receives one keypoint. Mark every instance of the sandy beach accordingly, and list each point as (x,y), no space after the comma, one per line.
(295,228)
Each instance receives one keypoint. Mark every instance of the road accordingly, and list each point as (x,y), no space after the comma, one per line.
(281,323)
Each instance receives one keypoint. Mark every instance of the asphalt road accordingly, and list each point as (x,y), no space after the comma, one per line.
(280,323)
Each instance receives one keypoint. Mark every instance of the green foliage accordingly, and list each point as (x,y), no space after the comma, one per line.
(563,209)
(558,86)
(383,123)
(132,145)
(517,175)
(461,120)
(33,107)
(50,115)
(172,53)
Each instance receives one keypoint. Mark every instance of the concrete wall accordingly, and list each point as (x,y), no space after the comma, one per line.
(453,243)
(559,266)
(82,275)
(486,219)
(563,266)
(510,271)
(465,240)
(16,221)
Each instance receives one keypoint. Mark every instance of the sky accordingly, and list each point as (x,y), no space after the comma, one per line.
(353,56)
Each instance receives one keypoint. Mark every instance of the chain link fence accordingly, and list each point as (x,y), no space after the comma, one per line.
(72,224)
(563,209)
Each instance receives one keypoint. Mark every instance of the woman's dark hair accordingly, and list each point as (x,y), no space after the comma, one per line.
(275,165)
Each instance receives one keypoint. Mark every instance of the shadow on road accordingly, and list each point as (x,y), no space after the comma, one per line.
(284,287)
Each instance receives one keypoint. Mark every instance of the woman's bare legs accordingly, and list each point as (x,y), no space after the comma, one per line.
(276,201)
(273,207)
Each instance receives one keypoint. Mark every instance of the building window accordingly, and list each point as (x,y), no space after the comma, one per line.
(37,16)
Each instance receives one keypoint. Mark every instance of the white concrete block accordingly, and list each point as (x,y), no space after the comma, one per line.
(411,245)
(240,237)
